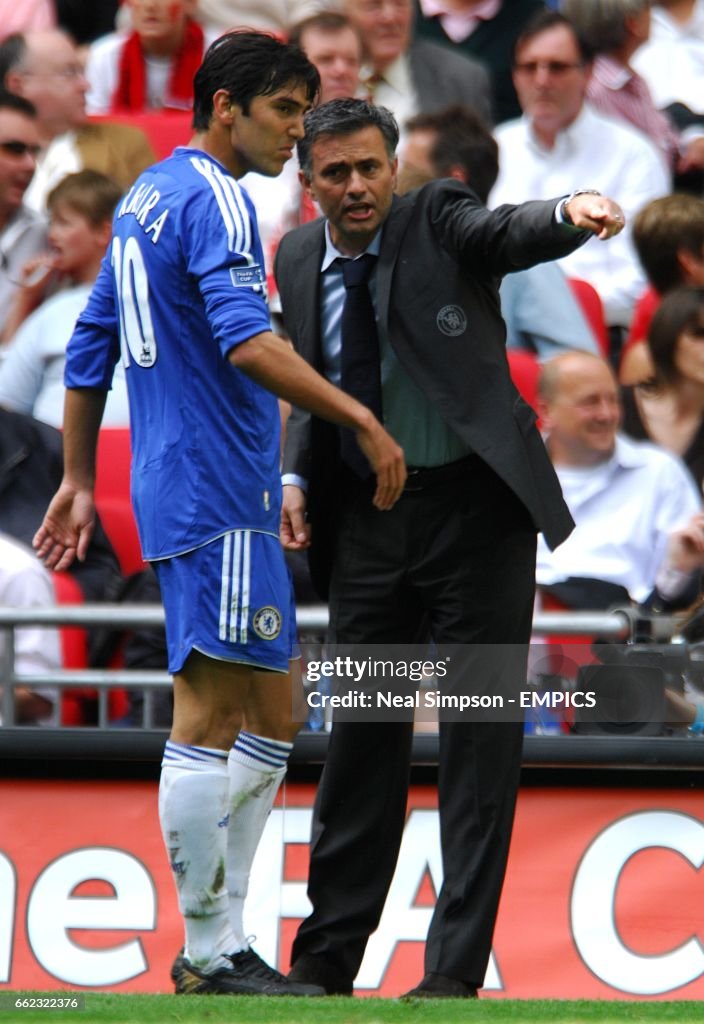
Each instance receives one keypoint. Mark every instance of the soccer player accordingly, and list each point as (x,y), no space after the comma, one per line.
(182,292)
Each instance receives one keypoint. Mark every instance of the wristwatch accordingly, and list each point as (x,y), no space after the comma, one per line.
(577,192)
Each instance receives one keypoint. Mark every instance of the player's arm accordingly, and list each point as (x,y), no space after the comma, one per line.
(269,361)
(90,359)
(70,519)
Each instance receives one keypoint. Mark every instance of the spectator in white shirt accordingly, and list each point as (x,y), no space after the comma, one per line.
(639,523)
(25,583)
(672,61)
(32,373)
(615,30)
(150,67)
(560,140)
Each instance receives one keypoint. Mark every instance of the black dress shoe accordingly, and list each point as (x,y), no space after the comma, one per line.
(316,970)
(439,986)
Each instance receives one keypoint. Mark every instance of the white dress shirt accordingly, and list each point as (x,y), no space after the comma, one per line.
(25,583)
(32,372)
(625,510)
(593,152)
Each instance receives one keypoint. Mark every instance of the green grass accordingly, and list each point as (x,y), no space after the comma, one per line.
(154,1009)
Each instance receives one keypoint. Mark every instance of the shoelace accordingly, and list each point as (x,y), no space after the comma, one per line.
(256,967)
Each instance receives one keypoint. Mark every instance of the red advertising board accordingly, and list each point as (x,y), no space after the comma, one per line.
(603,895)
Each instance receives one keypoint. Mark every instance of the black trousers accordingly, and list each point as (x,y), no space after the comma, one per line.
(457,556)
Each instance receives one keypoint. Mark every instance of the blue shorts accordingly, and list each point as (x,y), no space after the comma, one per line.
(231,599)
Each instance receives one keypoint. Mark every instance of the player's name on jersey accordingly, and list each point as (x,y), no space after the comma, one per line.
(140,202)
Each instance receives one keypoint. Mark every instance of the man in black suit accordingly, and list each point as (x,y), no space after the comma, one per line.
(457,552)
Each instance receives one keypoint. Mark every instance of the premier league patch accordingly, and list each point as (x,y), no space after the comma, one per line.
(267,623)
(247,277)
(452,321)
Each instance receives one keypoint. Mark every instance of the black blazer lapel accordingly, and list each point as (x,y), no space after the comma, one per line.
(392,233)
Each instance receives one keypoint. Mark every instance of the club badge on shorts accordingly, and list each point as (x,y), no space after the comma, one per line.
(267,623)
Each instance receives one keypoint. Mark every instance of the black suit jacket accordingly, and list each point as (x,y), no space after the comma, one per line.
(441,260)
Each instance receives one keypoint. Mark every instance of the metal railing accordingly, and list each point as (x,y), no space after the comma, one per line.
(312,621)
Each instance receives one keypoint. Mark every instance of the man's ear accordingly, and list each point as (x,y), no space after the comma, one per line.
(223,107)
(691,265)
(13,82)
(306,184)
(543,410)
(104,232)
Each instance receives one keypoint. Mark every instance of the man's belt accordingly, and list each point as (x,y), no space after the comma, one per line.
(423,478)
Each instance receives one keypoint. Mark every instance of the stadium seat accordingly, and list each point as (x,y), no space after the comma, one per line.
(593,309)
(79,703)
(74,641)
(164,129)
(525,371)
(112,497)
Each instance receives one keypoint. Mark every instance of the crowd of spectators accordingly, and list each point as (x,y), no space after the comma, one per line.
(517,99)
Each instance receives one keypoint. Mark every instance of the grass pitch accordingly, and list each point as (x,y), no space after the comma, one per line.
(155,1009)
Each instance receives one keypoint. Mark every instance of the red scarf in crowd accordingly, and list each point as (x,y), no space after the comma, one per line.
(131,92)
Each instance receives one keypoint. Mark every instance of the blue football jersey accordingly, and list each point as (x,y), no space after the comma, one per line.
(182,283)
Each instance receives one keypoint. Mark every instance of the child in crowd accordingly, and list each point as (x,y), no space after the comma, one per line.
(31,375)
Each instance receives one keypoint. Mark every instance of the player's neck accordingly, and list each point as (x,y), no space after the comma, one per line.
(221,149)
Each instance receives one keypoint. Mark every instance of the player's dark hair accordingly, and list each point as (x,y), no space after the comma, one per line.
(344,117)
(247,64)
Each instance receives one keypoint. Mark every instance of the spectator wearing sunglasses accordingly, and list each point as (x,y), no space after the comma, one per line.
(22,231)
(561,139)
(45,68)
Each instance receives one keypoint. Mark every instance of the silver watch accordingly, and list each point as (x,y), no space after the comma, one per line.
(577,192)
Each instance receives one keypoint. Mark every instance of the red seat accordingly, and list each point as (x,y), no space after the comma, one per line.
(112,496)
(165,129)
(593,308)
(78,703)
(525,372)
(74,640)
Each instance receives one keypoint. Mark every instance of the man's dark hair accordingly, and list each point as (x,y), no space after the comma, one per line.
(463,140)
(325,21)
(661,229)
(10,101)
(682,309)
(13,51)
(248,64)
(541,22)
(344,117)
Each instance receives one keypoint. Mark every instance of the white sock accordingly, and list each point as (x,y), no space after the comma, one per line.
(193,795)
(256,766)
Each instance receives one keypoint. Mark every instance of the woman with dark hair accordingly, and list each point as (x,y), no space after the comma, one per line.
(669,409)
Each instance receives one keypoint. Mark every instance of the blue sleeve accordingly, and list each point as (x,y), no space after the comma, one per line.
(94,347)
(222,250)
